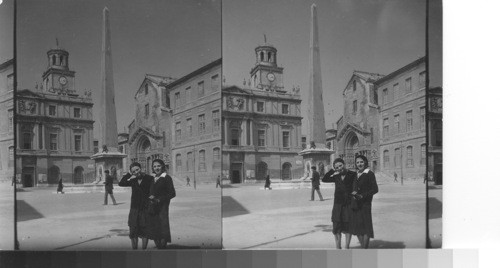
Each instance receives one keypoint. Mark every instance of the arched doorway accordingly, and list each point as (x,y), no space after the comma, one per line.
(261,171)
(143,154)
(78,175)
(286,171)
(53,175)
(351,147)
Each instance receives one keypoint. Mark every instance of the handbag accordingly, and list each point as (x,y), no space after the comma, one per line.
(153,207)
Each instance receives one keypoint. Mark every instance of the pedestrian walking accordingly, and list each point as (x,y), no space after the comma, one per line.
(395,177)
(108,188)
(187,181)
(60,185)
(315,184)
(364,187)
(267,185)
(139,200)
(217,182)
(341,212)
(161,192)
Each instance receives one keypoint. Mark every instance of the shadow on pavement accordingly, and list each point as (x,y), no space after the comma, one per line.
(231,207)
(175,246)
(435,208)
(26,212)
(385,244)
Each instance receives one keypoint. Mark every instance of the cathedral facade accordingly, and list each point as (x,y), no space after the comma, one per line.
(54,128)
(261,125)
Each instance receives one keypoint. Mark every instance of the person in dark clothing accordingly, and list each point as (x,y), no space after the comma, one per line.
(217,182)
(315,184)
(108,188)
(140,184)
(395,177)
(341,212)
(60,186)
(364,187)
(267,185)
(161,192)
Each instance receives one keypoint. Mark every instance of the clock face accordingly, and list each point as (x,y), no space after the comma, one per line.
(270,77)
(63,80)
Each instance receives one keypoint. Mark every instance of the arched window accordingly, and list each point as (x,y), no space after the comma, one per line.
(409,156)
(216,154)
(189,163)
(53,59)
(261,56)
(269,56)
(178,162)
(202,165)
(386,158)
(423,155)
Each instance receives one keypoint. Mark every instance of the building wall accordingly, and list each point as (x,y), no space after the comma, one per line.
(407,104)
(6,121)
(196,151)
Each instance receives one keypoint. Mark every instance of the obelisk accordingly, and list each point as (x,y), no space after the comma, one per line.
(108,158)
(109,132)
(316,114)
(316,154)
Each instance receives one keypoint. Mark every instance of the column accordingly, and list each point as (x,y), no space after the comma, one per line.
(251,132)
(243,136)
(226,136)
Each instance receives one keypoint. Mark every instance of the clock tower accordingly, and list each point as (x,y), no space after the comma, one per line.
(58,78)
(266,75)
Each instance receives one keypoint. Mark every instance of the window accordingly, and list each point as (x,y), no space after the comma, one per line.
(146,110)
(284,109)
(189,126)
(201,89)
(286,139)
(385,96)
(96,148)
(178,162)
(190,161)
(77,113)
(385,130)
(422,117)
(409,121)
(354,86)
(304,143)
(408,85)
(423,155)
(201,164)
(78,143)
(10,82)
(146,89)
(11,119)
(215,82)
(178,131)
(409,156)
(260,106)
(396,124)
(216,153)
(216,121)
(261,133)
(201,123)
(375,96)
(52,110)
(355,107)
(27,140)
(40,137)
(235,136)
(177,99)
(421,79)
(53,141)
(439,138)
(11,156)
(386,158)
(395,88)
(188,94)
(397,157)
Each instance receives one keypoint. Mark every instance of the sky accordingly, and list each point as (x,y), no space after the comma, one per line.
(367,35)
(171,38)
(6,30)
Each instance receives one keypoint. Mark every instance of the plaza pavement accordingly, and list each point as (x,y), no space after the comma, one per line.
(254,218)
(6,216)
(79,221)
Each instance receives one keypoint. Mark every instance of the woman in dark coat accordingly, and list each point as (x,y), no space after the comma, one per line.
(162,190)
(141,184)
(341,212)
(60,186)
(267,185)
(364,187)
